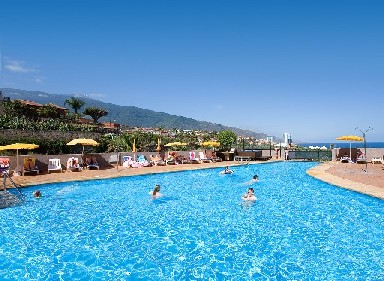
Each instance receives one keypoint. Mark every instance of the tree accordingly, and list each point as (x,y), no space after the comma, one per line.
(48,111)
(75,103)
(16,108)
(226,139)
(95,113)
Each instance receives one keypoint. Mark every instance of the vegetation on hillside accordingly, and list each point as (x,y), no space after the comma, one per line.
(51,117)
(131,116)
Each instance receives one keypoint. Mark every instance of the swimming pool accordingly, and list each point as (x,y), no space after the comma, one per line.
(298,229)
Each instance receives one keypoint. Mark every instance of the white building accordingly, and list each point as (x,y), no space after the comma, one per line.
(287,141)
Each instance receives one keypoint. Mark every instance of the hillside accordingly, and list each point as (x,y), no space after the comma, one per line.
(129,115)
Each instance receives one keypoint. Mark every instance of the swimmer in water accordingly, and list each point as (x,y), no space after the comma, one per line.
(254,179)
(156,191)
(250,195)
(37,194)
(226,171)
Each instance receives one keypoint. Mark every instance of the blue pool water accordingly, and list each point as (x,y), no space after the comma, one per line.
(298,229)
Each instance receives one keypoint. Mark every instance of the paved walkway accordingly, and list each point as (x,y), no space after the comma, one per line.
(355,177)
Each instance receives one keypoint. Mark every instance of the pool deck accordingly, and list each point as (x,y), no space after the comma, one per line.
(352,176)
(345,175)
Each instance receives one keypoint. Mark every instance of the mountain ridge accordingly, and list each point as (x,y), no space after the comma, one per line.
(131,116)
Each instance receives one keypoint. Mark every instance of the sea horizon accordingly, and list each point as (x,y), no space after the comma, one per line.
(337,144)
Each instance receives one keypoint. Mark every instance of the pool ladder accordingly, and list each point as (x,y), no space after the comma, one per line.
(7,176)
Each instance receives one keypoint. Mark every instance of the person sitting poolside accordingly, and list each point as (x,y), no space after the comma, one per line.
(156,192)
(250,195)
(226,171)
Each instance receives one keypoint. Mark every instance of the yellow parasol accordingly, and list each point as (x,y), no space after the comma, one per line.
(176,143)
(169,144)
(17,146)
(211,143)
(83,142)
(350,139)
(158,148)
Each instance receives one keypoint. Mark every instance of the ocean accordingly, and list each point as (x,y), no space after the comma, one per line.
(338,144)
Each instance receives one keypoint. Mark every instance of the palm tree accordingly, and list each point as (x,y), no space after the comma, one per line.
(95,113)
(75,103)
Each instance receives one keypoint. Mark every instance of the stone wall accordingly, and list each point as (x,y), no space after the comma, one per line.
(371,152)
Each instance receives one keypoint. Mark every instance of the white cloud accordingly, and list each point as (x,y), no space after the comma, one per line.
(39,79)
(17,66)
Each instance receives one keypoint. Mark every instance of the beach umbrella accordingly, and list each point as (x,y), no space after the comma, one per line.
(83,142)
(169,144)
(17,146)
(177,143)
(211,143)
(158,148)
(350,139)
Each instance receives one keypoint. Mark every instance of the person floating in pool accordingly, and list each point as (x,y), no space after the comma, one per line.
(254,179)
(37,194)
(226,171)
(156,192)
(250,195)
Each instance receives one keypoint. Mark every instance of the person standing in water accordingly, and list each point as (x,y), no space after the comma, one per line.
(250,195)
(156,192)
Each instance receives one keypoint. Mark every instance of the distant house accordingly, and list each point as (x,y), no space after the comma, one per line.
(34,106)
(110,125)
(30,104)
(82,120)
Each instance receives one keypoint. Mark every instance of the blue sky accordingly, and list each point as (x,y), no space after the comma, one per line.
(310,68)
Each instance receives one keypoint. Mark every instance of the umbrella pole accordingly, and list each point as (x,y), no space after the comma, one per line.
(350,151)
(82,157)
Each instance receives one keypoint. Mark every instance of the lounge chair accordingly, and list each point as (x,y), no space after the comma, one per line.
(144,161)
(54,165)
(203,158)
(361,160)
(30,166)
(170,160)
(129,163)
(113,159)
(4,165)
(215,158)
(91,162)
(194,159)
(73,164)
(377,160)
(344,159)
(156,160)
